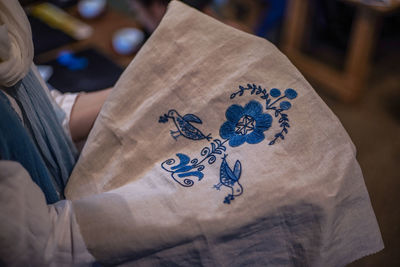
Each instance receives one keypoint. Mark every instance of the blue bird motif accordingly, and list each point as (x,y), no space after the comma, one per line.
(229,178)
(184,125)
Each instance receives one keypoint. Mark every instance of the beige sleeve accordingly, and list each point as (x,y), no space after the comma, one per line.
(32,232)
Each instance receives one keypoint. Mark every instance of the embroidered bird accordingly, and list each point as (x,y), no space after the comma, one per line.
(230,179)
(184,126)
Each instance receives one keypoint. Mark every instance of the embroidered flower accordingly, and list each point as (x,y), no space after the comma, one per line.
(275,92)
(245,124)
(285,105)
(290,93)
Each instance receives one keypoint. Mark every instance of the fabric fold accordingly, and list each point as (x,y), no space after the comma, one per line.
(16,44)
(213,150)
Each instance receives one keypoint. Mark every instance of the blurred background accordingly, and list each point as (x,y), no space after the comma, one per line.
(349,50)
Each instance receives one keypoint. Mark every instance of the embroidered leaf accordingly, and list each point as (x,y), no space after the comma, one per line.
(199,175)
(163,119)
(192,118)
(184,169)
(183,161)
(212,147)
(272,142)
(241,90)
(237,171)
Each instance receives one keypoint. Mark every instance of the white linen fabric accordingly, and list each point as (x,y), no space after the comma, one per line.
(33,233)
(16,47)
(189,116)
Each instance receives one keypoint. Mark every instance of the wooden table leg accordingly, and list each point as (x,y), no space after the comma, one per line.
(347,84)
(360,50)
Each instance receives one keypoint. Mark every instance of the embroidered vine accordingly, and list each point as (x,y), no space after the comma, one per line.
(187,167)
(244,124)
(272,99)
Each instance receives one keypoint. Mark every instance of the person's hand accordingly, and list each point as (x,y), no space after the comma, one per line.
(84,113)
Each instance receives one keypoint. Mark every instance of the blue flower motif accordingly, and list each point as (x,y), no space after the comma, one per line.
(245,124)
(275,92)
(290,93)
(285,105)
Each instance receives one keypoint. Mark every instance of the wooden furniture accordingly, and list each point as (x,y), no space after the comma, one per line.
(348,84)
(104,28)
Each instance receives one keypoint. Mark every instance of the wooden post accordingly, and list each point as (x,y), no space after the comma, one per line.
(347,84)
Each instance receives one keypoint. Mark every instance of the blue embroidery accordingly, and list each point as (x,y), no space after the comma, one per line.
(283,117)
(245,124)
(230,179)
(184,126)
(275,92)
(290,93)
(183,169)
(278,112)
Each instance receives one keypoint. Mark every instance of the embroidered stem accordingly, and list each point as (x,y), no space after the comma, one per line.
(283,123)
(216,148)
(270,105)
(254,89)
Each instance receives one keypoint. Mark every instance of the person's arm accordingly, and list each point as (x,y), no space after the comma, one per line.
(84,113)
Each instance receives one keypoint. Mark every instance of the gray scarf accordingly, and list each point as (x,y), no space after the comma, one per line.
(55,147)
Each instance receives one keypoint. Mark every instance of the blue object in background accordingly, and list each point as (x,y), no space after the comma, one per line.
(127,40)
(101,72)
(271,18)
(90,9)
(69,60)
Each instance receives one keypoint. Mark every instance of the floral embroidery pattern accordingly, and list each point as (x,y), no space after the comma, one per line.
(271,101)
(243,125)
(186,167)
